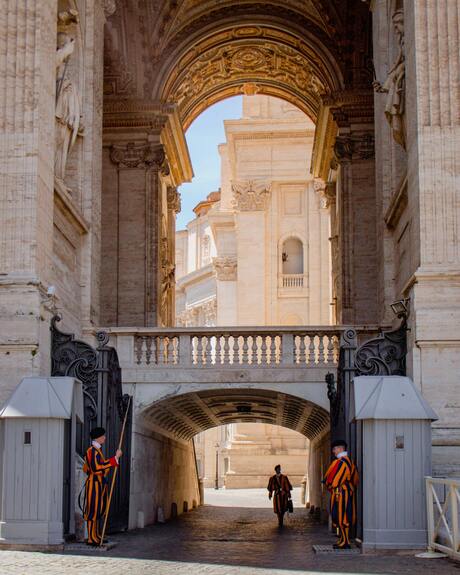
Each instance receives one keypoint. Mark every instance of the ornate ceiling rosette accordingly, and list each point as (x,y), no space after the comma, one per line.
(278,62)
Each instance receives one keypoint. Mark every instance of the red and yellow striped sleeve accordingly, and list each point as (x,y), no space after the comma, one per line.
(97,462)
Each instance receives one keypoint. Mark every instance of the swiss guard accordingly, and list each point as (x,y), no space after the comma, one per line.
(280,485)
(342,480)
(97,467)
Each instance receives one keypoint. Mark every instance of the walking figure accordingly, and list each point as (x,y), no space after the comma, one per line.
(342,480)
(280,485)
(96,487)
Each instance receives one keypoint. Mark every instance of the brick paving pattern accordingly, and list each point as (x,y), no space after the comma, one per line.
(219,539)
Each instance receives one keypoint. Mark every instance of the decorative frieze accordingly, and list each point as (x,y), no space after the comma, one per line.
(225,268)
(251,196)
(132,155)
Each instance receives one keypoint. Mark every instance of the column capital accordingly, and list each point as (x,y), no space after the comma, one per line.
(174,199)
(138,155)
(225,268)
(251,195)
(354,146)
(326,191)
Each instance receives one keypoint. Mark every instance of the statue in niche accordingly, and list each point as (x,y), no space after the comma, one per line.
(394,85)
(68,109)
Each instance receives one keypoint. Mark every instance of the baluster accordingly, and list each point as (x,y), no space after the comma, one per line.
(194,343)
(253,349)
(245,354)
(321,348)
(272,349)
(329,349)
(138,341)
(236,350)
(210,350)
(296,349)
(161,349)
(311,349)
(199,350)
(218,355)
(170,350)
(226,355)
(263,350)
(336,351)
(148,348)
(302,349)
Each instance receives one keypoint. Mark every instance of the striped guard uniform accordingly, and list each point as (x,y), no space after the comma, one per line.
(282,488)
(342,480)
(96,490)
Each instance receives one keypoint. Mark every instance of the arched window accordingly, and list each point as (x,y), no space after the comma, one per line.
(292,257)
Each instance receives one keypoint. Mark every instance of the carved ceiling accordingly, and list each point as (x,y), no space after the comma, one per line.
(186,415)
(196,52)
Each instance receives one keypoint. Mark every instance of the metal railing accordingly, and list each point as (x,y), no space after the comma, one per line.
(443,504)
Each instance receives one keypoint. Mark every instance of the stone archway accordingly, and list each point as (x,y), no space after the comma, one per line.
(315,55)
(164,471)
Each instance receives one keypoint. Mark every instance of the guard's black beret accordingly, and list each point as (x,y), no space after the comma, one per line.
(339,443)
(97,432)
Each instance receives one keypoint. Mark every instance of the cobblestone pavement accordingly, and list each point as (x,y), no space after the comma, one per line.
(219,539)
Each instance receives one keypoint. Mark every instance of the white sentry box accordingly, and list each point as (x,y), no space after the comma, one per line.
(37,425)
(396,458)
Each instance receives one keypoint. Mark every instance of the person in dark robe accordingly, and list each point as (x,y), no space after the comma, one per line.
(342,480)
(279,487)
(97,467)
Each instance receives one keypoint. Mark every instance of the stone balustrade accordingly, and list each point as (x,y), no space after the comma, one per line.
(293,281)
(238,347)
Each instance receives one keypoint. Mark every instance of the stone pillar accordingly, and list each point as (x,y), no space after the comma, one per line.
(251,199)
(27,101)
(226,271)
(356,211)
(131,225)
(433,141)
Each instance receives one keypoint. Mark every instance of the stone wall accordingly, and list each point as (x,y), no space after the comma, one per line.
(163,475)
(320,456)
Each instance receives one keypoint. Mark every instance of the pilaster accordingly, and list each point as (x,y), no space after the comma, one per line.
(432,39)
(27,101)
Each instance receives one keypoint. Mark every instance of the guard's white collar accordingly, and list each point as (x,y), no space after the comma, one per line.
(95,444)
(342,454)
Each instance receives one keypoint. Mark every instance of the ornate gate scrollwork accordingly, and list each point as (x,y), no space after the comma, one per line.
(383,355)
(104,404)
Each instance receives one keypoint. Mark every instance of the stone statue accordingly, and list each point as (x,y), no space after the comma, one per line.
(394,85)
(68,109)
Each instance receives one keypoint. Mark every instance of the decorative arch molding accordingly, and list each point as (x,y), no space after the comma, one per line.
(271,61)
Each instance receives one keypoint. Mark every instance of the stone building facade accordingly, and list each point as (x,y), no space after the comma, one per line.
(95,98)
(279,273)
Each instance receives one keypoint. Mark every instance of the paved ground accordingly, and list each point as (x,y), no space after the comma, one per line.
(234,534)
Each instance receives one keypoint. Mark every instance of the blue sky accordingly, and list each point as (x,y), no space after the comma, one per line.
(203,137)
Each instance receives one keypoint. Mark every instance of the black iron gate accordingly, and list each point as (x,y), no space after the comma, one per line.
(383,355)
(104,405)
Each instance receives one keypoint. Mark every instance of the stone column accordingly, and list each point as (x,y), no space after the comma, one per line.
(433,142)
(357,285)
(27,101)
(131,225)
